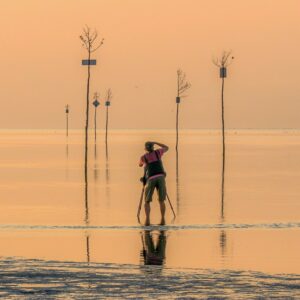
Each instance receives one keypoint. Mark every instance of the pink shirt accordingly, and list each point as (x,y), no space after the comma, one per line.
(152,157)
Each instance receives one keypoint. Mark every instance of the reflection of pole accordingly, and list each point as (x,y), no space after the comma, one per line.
(88,248)
(107,179)
(67,150)
(223,242)
(106,152)
(107,171)
(222,191)
(96,165)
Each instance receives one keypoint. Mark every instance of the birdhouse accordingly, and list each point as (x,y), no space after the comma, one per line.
(107,103)
(96,103)
(67,109)
(223,72)
(177,99)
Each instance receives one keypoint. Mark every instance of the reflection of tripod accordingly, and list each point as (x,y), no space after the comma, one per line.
(154,253)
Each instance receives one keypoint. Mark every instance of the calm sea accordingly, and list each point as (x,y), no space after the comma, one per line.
(66,235)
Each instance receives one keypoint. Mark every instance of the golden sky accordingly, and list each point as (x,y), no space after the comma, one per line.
(145,42)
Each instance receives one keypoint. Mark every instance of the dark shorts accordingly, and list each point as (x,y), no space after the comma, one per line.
(158,183)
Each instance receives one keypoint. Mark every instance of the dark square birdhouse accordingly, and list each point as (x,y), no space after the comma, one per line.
(223,72)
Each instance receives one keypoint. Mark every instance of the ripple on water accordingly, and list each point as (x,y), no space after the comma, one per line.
(282,225)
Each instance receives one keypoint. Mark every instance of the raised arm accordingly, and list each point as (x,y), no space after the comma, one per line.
(161,145)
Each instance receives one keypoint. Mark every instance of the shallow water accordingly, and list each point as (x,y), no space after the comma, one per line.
(48,211)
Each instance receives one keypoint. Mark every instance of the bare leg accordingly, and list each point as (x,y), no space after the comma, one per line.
(162,211)
(147,211)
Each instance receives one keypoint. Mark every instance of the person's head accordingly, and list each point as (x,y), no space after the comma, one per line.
(149,146)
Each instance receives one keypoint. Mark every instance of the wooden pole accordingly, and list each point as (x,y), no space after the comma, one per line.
(177,125)
(67,120)
(95,120)
(223,149)
(87,114)
(106,126)
(177,110)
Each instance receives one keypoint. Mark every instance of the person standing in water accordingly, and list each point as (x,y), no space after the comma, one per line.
(154,177)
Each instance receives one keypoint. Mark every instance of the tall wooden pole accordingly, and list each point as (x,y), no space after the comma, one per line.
(222,63)
(223,152)
(177,111)
(86,139)
(223,74)
(223,119)
(87,111)
(88,42)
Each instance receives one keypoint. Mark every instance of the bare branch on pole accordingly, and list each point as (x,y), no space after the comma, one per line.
(89,40)
(182,84)
(109,95)
(224,60)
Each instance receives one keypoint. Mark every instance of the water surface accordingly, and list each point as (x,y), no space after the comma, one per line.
(48,212)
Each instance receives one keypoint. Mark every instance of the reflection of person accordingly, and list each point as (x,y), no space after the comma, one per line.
(154,253)
(154,177)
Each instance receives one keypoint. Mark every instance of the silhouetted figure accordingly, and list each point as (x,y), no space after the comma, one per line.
(154,177)
(154,251)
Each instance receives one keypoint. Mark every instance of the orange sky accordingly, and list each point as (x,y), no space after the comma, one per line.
(145,42)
